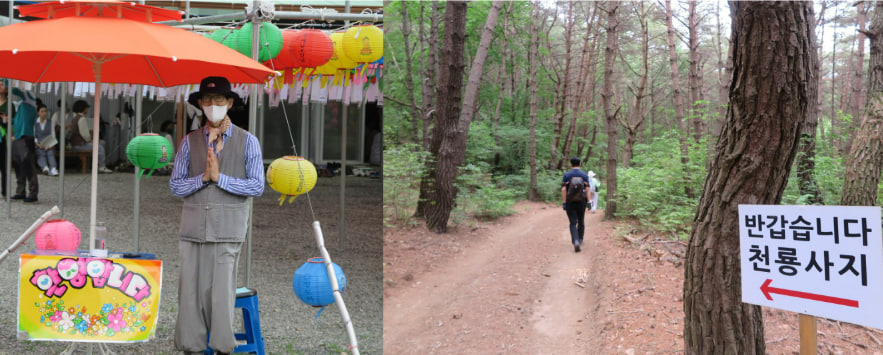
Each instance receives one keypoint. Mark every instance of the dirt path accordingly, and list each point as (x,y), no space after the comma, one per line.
(514,290)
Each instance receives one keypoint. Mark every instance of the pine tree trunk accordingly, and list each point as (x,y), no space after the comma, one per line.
(441,172)
(609,112)
(774,65)
(452,152)
(866,157)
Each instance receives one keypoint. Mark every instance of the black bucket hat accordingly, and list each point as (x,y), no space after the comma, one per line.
(213,85)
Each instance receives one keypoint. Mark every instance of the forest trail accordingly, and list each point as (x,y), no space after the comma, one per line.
(518,288)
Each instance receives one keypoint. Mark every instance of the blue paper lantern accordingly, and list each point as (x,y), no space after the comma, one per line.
(311,283)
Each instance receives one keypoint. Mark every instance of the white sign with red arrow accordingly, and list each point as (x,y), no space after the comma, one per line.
(824,261)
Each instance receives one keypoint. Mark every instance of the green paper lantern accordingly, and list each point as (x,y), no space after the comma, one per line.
(220,34)
(270,41)
(149,151)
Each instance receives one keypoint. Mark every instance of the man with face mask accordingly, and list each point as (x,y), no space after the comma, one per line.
(218,167)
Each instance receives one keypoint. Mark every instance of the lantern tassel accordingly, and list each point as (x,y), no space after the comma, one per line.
(281,200)
(318,313)
(292,198)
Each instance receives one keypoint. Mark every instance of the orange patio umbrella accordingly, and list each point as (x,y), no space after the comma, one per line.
(114,50)
(100,8)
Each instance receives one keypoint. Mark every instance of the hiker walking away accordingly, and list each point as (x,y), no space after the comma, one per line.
(595,186)
(575,193)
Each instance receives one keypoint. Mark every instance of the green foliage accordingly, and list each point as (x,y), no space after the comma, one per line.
(548,184)
(653,189)
(403,169)
(480,196)
(828,175)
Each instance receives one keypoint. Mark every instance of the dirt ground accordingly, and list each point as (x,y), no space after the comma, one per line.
(516,286)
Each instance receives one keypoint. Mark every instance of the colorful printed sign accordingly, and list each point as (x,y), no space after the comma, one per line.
(818,260)
(82,298)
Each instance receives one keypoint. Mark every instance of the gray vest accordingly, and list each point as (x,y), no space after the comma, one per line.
(212,214)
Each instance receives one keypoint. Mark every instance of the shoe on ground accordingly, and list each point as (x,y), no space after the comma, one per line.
(53,172)
(30,200)
(18,197)
(105,170)
(46,170)
(576,248)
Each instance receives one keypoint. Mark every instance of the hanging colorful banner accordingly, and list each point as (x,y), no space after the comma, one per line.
(87,299)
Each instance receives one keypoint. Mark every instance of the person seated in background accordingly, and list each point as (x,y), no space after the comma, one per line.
(44,137)
(82,135)
(62,115)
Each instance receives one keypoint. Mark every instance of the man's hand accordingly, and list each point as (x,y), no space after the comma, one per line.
(564,206)
(211,167)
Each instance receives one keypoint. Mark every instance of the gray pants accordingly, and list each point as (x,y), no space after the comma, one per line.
(206,295)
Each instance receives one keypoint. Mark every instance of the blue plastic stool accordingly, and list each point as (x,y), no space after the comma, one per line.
(247,299)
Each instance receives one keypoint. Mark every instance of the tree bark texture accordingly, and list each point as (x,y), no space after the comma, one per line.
(609,112)
(866,156)
(774,67)
(455,131)
(441,170)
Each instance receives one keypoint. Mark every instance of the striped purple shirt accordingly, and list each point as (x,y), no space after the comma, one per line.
(183,185)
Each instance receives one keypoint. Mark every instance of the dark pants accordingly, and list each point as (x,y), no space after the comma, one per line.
(24,161)
(576,213)
(3,164)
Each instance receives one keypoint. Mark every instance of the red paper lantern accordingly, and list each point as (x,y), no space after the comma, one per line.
(284,60)
(311,49)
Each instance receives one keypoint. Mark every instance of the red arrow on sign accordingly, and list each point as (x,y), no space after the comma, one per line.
(767,290)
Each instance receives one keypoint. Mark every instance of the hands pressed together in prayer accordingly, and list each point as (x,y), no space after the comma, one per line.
(211,159)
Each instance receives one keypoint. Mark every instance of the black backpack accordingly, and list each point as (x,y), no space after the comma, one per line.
(575,190)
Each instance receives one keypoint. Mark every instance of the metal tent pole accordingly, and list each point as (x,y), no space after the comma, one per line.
(252,123)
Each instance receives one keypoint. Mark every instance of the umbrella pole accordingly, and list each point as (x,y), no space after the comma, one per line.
(8,142)
(62,121)
(136,225)
(94,191)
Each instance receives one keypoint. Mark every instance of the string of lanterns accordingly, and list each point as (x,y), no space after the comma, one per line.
(302,54)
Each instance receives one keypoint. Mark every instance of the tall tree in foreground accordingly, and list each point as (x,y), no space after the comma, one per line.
(774,67)
(866,155)
(453,128)
(438,187)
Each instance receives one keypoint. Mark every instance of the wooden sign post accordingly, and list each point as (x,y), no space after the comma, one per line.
(808,335)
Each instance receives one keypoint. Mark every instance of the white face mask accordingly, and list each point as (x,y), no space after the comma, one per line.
(215,113)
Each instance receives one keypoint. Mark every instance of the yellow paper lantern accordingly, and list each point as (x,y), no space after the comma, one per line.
(339,64)
(291,176)
(363,44)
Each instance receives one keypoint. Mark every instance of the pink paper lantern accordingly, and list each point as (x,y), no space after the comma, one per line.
(58,234)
